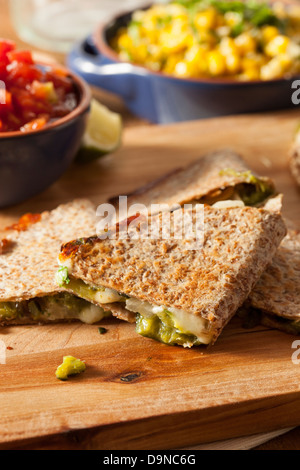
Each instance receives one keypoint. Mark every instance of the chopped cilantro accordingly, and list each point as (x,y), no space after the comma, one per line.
(62,276)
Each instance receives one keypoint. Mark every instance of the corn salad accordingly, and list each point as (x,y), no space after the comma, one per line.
(214,38)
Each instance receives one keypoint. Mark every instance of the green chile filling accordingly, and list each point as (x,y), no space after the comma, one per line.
(67,304)
(253,191)
(161,328)
(87,291)
(82,289)
(252,195)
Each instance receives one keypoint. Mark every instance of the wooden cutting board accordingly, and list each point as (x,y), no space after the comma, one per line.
(137,393)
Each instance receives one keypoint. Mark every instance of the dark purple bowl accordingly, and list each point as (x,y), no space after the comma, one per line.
(31,162)
(162,98)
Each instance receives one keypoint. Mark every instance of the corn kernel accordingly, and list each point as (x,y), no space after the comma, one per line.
(140,53)
(179,25)
(173,44)
(170,64)
(186,69)
(227,46)
(150,36)
(276,68)
(206,19)
(253,60)
(181,69)
(196,58)
(216,63)
(269,33)
(149,24)
(155,52)
(195,53)
(278,45)
(245,43)
(125,41)
(233,63)
(251,73)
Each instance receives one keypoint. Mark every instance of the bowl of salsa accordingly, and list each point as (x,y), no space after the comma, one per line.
(43,114)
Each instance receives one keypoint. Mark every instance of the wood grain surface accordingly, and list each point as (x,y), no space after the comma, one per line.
(137,393)
(245,384)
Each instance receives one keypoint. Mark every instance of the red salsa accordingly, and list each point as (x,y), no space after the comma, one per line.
(34,95)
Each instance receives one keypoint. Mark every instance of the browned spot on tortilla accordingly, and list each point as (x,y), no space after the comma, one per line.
(24,222)
(5,245)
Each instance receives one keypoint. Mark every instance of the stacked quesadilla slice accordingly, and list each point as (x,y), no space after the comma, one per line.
(216,177)
(28,264)
(173,293)
(277,294)
(176,292)
(222,178)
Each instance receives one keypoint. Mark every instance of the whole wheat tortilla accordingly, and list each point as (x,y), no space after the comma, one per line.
(211,282)
(278,290)
(201,178)
(28,266)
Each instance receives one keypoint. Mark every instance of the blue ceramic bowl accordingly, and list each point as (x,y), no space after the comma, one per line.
(162,98)
(30,162)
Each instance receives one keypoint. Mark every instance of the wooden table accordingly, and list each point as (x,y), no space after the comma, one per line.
(291,440)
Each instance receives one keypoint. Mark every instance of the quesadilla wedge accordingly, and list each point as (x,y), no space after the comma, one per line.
(276,296)
(176,295)
(218,176)
(28,265)
(221,179)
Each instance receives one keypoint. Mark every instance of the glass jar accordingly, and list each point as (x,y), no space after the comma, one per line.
(56,24)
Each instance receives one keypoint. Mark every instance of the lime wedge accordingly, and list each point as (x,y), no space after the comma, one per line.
(103,133)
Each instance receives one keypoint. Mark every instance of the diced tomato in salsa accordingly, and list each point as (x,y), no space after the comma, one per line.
(34,124)
(6,46)
(34,95)
(20,56)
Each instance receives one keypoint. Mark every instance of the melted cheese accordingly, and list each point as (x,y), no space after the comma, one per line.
(107,296)
(228,204)
(88,313)
(183,321)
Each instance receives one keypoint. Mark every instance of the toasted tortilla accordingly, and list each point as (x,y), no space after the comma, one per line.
(202,179)
(277,293)
(28,258)
(210,282)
